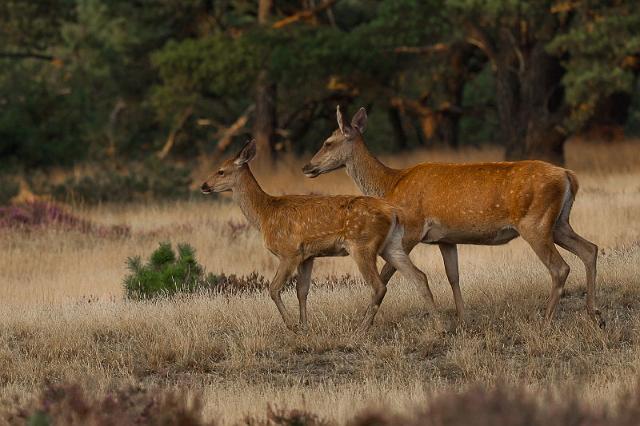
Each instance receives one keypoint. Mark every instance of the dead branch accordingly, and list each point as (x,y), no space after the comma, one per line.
(27,55)
(111,128)
(422,50)
(564,7)
(476,36)
(225,138)
(521,63)
(304,14)
(171,139)
(226,135)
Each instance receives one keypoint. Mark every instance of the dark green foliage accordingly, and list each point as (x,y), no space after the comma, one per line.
(33,116)
(38,418)
(480,124)
(151,180)
(165,273)
(600,51)
(90,80)
(168,272)
(9,188)
(633,123)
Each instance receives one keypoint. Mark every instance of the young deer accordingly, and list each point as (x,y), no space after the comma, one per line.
(299,228)
(482,203)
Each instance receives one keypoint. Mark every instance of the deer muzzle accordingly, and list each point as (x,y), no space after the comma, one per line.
(206,189)
(310,171)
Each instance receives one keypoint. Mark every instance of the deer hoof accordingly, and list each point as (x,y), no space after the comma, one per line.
(597,317)
(292,327)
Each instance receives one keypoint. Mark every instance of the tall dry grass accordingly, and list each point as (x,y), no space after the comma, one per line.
(62,315)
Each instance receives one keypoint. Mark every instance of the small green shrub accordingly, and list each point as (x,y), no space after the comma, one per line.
(165,273)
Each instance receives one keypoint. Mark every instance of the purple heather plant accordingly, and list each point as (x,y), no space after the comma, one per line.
(40,215)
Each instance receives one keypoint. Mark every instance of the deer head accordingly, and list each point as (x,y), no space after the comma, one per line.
(337,149)
(226,177)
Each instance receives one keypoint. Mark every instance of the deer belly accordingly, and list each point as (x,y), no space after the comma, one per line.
(435,232)
(324,247)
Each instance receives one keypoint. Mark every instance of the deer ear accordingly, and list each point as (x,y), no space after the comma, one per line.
(246,154)
(359,120)
(341,125)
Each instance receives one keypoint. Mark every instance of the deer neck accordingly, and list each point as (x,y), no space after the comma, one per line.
(371,176)
(251,198)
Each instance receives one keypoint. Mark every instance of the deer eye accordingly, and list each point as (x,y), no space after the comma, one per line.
(220,173)
(328,144)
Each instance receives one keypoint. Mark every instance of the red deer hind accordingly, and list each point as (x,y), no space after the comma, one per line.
(482,203)
(299,228)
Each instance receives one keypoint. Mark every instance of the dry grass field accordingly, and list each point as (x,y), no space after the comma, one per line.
(63,316)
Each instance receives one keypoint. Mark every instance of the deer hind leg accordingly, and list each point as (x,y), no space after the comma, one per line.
(569,240)
(285,269)
(366,261)
(542,244)
(302,289)
(395,255)
(388,270)
(450,257)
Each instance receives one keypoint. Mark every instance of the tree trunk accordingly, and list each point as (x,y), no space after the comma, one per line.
(454,86)
(395,119)
(545,143)
(265,123)
(264,11)
(449,126)
(531,104)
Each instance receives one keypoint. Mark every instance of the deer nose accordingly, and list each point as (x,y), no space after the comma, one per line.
(205,188)
(310,170)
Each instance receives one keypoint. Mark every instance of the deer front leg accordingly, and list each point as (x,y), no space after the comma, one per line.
(302,288)
(285,269)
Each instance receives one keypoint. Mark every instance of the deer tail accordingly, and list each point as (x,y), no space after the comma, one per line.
(573,182)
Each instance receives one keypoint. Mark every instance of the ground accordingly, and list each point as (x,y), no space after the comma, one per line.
(63,316)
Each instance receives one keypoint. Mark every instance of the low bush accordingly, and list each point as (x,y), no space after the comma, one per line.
(165,273)
(39,215)
(71,404)
(168,272)
(9,188)
(508,405)
(285,417)
(152,179)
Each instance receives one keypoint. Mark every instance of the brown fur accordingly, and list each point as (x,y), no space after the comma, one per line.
(299,228)
(481,203)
